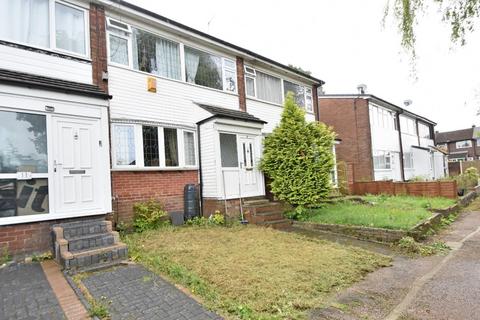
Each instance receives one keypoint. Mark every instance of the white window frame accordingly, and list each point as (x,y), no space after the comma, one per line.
(86,22)
(225,69)
(139,157)
(129,49)
(194,149)
(385,155)
(110,25)
(52,41)
(458,144)
(307,107)
(251,75)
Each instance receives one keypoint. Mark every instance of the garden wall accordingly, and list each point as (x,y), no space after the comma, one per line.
(446,189)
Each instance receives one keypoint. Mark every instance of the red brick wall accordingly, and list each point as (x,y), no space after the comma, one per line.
(350,120)
(98,45)
(242,98)
(26,239)
(446,189)
(130,187)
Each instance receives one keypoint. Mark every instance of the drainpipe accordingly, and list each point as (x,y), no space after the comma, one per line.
(402,163)
(200,186)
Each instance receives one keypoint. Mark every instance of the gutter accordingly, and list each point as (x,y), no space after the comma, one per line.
(402,160)
(200,180)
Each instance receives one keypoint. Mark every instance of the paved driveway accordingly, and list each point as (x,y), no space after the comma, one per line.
(26,294)
(135,293)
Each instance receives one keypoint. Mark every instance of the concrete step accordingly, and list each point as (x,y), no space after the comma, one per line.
(253,202)
(268,216)
(264,207)
(276,224)
(84,228)
(87,258)
(91,241)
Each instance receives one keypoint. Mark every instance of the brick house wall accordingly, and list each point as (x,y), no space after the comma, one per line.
(98,45)
(130,187)
(350,119)
(473,151)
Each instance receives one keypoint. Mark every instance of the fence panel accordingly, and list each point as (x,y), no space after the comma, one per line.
(446,189)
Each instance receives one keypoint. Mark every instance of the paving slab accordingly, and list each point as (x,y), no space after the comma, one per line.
(25,293)
(133,292)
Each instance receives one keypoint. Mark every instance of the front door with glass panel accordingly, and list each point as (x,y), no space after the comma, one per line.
(24,185)
(240,177)
(248,171)
(76,164)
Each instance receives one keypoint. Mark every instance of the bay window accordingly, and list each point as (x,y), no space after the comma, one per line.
(30,22)
(149,146)
(23,164)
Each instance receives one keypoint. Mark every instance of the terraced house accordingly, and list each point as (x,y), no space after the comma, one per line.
(380,140)
(104,104)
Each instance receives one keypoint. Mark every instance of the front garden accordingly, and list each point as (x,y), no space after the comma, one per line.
(388,212)
(248,272)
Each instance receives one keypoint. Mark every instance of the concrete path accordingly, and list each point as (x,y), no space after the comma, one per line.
(438,287)
(26,294)
(136,293)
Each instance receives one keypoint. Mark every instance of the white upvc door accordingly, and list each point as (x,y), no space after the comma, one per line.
(76,163)
(249,179)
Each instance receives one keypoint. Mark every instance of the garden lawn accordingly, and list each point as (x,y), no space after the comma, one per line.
(390,212)
(248,272)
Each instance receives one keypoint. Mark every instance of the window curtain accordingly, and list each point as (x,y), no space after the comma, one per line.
(70,28)
(25,21)
(168,59)
(118,50)
(269,88)
(192,60)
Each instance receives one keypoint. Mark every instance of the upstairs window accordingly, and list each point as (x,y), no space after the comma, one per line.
(118,49)
(30,22)
(250,75)
(297,90)
(308,100)
(269,88)
(464,144)
(155,55)
(424,131)
(203,69)
(70,28)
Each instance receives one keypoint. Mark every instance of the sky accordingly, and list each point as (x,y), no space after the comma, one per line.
(344,43)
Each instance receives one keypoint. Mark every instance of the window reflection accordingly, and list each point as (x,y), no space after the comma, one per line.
(23,197)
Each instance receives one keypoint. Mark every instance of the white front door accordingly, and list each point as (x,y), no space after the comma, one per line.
(248,171)
(76,164)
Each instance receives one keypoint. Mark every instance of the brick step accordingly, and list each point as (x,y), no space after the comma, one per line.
(91,241)
(253,202)
(84,228)
(276,224)
(114,254)
(266,216)
(265,207)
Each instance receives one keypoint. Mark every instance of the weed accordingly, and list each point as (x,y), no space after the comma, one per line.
(215,219)
(42,257)
(5,256)
(409,246)
(99,308)
(149,215)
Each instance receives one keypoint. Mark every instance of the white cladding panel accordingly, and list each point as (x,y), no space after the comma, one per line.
(208,141)
(45,65)
(422,163)
(426,143)
(172,103)
(408,141)
(438,165)
(385,139)
(269,112)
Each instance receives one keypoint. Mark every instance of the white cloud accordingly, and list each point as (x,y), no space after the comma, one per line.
(343,43)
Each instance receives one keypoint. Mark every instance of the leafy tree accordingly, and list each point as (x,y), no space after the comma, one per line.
(298,157)
(300,69)
(460,14)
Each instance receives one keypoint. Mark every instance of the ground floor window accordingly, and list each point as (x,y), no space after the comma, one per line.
(408,160)
(382,160)
(23,164)
(148,146)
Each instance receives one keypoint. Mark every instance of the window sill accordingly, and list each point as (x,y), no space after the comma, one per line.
(114,65)
(155,169)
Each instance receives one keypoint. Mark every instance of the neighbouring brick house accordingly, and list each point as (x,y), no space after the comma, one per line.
(462,145)
(105,104)
(381,141)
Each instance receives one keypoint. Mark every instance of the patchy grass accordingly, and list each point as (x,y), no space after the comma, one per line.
(247,272)
(400,212)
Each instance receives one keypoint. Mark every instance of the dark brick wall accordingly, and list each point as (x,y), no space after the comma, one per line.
(130,187)
(350,120)
(98,45)
(242,98)
(472,151)
(25,239)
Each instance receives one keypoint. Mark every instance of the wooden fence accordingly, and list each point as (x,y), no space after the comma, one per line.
(446,189)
